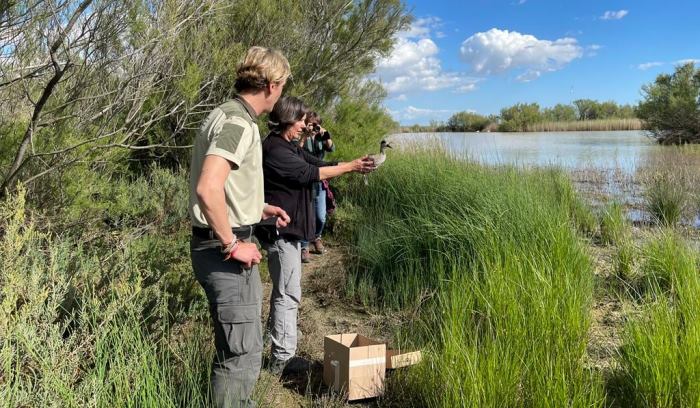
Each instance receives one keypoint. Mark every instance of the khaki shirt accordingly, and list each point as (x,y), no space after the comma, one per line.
(230,131)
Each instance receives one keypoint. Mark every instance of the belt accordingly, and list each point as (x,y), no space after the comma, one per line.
(242,233)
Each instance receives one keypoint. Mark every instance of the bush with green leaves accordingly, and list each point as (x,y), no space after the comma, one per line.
(671,106)
(85,327)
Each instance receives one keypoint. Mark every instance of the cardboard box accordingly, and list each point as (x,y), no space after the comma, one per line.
(355,364)
(396,359)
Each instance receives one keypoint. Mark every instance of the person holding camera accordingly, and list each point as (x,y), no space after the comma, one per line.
(290,175)
(317,142)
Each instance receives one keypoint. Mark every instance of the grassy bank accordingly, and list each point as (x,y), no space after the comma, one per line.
(98,306)
(587,125)
(491,260)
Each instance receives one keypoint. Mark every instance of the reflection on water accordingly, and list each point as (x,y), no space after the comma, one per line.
(623,151)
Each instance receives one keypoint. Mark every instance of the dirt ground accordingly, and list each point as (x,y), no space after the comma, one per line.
(324,311)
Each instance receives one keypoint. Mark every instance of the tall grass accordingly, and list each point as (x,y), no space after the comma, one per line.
(116,320)
(494,256)
(661,351)
(587,125)
(86,329)
(667,198)
(613,224)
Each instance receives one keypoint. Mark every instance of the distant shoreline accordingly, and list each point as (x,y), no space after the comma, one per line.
(608,125)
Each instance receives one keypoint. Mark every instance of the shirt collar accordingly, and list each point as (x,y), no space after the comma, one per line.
(247,107)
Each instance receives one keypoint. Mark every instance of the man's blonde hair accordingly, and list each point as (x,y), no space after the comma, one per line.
(261,66)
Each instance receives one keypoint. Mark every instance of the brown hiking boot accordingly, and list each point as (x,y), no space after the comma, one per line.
(305,256)
(318,246)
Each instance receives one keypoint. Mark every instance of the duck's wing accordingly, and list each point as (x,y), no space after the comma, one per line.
(378,159)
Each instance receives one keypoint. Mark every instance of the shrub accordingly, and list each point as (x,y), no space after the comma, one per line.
(666,198)
(671,106)
(86,327)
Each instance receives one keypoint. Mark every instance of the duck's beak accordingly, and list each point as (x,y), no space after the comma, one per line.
(389,146)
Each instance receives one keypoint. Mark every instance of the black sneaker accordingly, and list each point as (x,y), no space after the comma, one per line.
(296,366)
(276,367)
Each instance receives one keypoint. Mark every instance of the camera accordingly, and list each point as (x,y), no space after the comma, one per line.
(316,127)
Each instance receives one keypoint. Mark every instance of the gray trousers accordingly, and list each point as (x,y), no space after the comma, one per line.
(284,263)
(235,303)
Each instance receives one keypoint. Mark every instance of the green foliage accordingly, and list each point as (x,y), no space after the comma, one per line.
(671,106)
(661,350)
(667,198)
(162,66)
(467,122)
(517,117)
(86,327)
(357,127)
(559,113)
(493,259)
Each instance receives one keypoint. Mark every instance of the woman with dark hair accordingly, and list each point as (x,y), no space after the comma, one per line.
(290,174)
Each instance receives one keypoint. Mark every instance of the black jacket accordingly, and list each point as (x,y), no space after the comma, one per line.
(290,173)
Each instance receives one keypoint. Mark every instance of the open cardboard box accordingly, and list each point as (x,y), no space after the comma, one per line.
(356,364)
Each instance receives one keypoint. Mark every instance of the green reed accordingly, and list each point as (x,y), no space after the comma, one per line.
(491,258)
(661,351)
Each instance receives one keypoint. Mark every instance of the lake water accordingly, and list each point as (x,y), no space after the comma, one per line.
(620,150)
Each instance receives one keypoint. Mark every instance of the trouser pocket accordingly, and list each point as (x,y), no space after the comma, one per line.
(239,329)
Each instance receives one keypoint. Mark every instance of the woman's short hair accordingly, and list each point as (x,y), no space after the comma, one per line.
(261,66)
(286,111)
(313,117)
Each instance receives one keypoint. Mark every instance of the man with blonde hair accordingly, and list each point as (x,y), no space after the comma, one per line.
(226,201)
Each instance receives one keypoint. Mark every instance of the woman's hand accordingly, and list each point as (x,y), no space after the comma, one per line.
(273,211)
(363,165)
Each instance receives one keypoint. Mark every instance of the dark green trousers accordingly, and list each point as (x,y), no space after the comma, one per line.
(235,302)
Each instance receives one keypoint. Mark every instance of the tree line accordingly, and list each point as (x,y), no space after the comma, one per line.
(522,116)
(669,111)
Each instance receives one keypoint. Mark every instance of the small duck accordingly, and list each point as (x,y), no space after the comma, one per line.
(379,158)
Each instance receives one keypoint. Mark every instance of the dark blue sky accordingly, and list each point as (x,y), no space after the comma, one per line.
(484,55)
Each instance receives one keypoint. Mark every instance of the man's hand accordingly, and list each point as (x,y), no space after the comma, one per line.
(273,211)
(246,253)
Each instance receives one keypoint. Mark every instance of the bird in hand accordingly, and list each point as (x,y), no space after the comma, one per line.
(378,158)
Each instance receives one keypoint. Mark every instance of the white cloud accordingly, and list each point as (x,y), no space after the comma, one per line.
(614,15)
(592,50)
(497,51)
(529,75)
(648,65)
(401,97)
(413,113)
(421,28)
(414,65)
